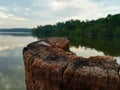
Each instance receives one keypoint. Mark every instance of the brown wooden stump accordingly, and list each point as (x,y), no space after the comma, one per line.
(49,65)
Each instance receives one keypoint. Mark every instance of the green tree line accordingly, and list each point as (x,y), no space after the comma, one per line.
(108,26)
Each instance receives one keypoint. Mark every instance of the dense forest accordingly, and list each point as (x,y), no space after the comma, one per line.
(108,26)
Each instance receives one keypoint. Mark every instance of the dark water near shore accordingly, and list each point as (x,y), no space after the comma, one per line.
(11,60)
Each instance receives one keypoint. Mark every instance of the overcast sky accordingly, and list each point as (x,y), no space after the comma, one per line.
(30,13)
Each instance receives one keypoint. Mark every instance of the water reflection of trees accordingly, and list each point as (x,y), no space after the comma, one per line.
(110,46)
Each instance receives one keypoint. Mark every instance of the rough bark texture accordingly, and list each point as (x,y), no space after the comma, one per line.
(49,65)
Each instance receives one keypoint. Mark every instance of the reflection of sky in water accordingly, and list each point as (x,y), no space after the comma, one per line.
(11,62)
(87,52)
(10,42)
(118,59)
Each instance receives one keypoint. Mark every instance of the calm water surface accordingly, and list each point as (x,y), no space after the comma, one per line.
(11,60)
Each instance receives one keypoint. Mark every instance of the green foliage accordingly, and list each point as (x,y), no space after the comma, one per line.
(117,32)
(108,26)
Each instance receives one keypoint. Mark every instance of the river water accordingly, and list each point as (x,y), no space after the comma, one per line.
(11,59)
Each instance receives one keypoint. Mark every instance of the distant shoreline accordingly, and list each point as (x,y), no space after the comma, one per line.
(16,33)
(16,30)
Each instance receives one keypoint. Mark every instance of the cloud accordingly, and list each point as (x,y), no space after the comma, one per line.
(18,18)
(81,9)
(58,5)
(73,9)
(9,16)
(2,15)
(52,11)
(3,9)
